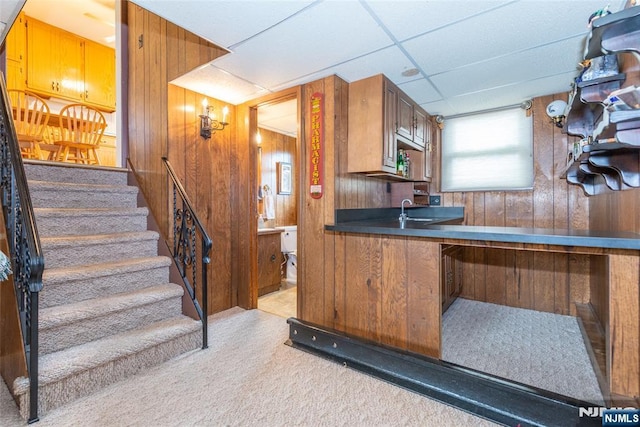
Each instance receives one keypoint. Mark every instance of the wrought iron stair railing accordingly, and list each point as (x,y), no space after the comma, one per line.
(27,261)
(187,230)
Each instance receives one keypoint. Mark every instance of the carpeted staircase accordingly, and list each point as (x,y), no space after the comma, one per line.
(107,309)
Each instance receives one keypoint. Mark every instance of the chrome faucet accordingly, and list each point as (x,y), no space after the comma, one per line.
(404,216)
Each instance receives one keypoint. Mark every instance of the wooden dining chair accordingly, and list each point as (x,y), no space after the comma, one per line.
(81,131)
(30,117)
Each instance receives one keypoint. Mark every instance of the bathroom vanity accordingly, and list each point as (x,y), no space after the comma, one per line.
(269,260)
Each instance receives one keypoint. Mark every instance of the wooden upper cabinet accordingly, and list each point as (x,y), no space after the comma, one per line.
(406,119)
(54,61)
(382,120)
(63,65)
(99,74)
(16,50)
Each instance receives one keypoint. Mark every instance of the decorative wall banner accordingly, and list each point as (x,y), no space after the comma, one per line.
(316,149)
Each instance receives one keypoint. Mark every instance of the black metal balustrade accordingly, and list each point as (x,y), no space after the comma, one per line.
(27,261)
(187,230)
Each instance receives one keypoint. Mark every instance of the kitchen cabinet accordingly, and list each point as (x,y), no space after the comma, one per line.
(62,65)
(99,74)
(416,191)
(383,120)
(609,156)
(451,277)
(16,48)
(54,61)
(269,261)
(107,151)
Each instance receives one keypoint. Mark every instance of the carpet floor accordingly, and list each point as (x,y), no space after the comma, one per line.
(544,350)
(248,377)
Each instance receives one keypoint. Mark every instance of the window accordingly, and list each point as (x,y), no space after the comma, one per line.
(488,152)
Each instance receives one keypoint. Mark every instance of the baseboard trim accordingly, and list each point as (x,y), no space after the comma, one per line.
(486,396)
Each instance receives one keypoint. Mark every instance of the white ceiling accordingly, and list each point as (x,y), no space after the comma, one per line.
(469,55)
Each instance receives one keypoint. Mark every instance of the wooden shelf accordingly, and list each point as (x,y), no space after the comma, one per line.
(597,90)
(617,32)
(612,160)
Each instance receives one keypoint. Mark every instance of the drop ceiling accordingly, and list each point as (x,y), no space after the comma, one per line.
(469,55)
(457,56)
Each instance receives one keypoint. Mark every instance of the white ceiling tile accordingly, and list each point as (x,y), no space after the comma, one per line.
(216,83)
(418,17)
(420,90)
(313,39)
(517,26)
(510,69)
(224,23)
(503,96)
(390,61)
(281,117)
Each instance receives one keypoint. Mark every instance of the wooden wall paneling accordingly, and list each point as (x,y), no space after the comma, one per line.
(362,285)
(276,148)
(561,279)
(579,277)
(624,324)
(424,319)
(311,253)
(213,164)
(13,363)
(339,280)
(176,123)
(244,238)
(335,127)
(544,289)
(495,287)
(479,254)
(393,292)
(157,128)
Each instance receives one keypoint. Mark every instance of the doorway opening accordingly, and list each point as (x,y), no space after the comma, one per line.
(277,144)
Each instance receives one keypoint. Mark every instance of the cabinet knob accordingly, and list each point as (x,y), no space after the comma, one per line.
(53,85)
(273,257)
(86,94)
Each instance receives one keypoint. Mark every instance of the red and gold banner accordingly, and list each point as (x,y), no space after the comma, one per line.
(316,148)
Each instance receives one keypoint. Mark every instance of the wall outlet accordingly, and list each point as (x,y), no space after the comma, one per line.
(434,200)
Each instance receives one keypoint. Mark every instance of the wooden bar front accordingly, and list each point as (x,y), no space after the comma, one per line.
(388,291)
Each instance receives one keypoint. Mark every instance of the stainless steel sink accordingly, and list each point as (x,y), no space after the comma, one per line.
(421,219)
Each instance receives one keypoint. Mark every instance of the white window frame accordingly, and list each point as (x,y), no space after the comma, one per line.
(487,151)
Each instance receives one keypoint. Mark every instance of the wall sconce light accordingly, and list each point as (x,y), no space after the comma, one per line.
(208,122)
(258,138)
(556,111)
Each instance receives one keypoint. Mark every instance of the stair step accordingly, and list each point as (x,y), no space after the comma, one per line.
(72,251)
(70,195)
(78,371)
(69,325)
(57,172)
(73,284)
(56,222)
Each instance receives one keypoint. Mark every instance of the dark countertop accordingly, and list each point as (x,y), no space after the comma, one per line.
(385,221)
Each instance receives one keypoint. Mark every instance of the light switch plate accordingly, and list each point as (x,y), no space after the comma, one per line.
(434,200)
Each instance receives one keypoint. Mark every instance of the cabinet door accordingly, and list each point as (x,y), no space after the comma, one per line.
(390,152)
(428,149)
(54,61)
(16,41)
(269,260)
(406,122)
(70,73)
(42,75)
(421,120)
(99,75)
